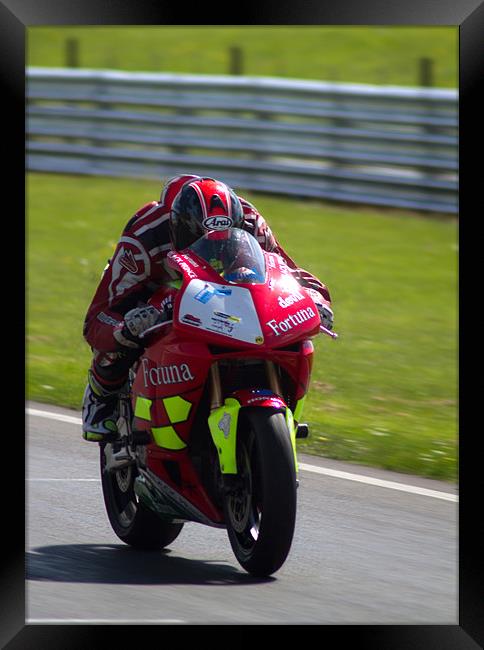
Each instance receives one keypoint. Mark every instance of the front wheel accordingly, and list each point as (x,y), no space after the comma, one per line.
(260,510)
(130,520)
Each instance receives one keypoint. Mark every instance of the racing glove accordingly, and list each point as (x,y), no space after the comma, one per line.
(308,281)
(324,309)
(242,274)
(135,323)
(326,315)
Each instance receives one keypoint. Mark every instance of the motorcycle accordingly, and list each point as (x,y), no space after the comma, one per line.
(209,421)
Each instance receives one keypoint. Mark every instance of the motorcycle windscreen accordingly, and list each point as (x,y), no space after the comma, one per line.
(234,254)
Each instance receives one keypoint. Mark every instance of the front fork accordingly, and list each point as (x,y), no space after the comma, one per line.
(224,415)
(120,453)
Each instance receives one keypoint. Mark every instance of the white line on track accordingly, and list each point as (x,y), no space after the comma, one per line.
(53,416)
(326,471)
(99,621)
(370,480)
(85,480)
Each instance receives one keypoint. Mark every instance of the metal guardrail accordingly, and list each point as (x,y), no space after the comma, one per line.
(388,146)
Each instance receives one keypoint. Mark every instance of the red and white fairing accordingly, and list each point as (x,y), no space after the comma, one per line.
(272,314)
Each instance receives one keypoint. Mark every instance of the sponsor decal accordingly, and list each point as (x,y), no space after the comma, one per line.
(166,303)
(205,294)
(183,265)
(274,401)
(223,291)
(264,394)
(191,320)
(191,260)
(219,222)
(290,300)
(224,424)
(128,262)
(271,263)
(283,268)
(220,326)
(223,323)
(293,320)
(105,318)
(130,256)
(208,292)
(161,375)
(234,319)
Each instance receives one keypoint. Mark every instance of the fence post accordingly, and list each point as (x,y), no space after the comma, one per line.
(72,53)
(426,72)
(426,80)
(235,60)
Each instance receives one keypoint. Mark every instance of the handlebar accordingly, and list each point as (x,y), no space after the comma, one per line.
(324,330)
(153,328)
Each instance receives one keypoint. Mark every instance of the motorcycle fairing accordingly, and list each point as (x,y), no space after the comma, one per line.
(222,423)
(242,314)
(169,503)
(173,374)
(167,391)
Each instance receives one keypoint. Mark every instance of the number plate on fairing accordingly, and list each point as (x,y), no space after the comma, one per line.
(222,309)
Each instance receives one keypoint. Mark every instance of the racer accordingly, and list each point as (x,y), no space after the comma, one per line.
(119,315)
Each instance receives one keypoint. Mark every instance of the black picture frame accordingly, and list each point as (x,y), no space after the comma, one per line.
(468,15)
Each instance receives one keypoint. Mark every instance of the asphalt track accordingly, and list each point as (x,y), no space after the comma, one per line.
(370,547)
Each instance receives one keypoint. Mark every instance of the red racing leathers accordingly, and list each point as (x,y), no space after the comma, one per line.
(137,269)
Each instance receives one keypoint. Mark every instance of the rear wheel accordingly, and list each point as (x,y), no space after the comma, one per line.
(130,520)
(260,510)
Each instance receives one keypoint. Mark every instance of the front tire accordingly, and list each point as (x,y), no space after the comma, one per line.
(260,511)
(129,519)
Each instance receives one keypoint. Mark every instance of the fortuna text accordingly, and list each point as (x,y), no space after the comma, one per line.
(291,321)
(166,374)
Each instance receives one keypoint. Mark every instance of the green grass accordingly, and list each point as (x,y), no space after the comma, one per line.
(360,54)
(383,394)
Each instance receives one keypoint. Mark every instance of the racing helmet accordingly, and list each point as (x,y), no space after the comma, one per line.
(173,186)
(202,205)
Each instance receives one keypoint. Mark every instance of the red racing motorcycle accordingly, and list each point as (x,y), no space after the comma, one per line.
(209,424)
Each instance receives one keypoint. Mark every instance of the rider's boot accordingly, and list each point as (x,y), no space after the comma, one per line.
(100,412)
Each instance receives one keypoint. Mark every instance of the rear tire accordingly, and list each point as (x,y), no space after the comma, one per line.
(129,519)
(260,512)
